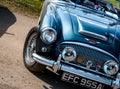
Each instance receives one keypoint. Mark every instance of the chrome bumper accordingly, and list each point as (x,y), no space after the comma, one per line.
(56,65)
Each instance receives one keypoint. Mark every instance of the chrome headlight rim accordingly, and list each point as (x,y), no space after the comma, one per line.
(65,51)
(43,33)
(109,64)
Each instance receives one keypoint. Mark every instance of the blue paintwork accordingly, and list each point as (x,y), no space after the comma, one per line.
(69,19)
(93,34)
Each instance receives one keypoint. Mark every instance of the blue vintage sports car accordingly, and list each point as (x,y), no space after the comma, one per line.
(81,39)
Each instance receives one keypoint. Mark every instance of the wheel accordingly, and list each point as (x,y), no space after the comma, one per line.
(29,49)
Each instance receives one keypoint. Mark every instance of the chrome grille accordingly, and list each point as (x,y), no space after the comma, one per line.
(86,53)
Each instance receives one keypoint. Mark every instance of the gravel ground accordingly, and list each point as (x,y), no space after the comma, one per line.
(14,27)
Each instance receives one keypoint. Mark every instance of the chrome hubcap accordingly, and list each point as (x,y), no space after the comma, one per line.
(30,49)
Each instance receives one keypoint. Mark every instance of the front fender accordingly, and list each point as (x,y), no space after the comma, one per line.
(47,17)
(56,16)
(116,43)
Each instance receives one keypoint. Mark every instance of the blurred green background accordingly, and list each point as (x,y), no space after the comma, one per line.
(31,7)
(114,2)
(34,5)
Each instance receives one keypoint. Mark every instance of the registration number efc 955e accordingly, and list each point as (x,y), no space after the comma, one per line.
(81,81)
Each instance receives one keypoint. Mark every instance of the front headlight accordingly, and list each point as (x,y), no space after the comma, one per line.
(69,54)
(111,67)
(48,35)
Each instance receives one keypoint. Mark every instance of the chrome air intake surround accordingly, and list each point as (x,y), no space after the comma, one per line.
(87,53)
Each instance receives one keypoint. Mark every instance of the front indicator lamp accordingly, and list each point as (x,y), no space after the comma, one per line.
(111,67)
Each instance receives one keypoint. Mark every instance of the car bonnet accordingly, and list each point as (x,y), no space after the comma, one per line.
(91,24)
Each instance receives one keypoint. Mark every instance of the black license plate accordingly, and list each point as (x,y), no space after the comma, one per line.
(68,77)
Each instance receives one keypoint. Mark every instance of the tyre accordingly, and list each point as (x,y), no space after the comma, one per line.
(29,49)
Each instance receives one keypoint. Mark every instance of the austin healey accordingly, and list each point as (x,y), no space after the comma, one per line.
(78,38)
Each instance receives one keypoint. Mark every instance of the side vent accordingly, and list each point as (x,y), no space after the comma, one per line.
(94,35)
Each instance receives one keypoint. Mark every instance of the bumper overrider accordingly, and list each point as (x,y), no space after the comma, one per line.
(57,65)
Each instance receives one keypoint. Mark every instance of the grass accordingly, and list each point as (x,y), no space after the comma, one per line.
(114,2)
(33,7)
(36,5)
(28,7)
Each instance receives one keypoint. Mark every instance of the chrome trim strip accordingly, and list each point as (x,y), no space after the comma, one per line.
(90,70)
(94,35)
(116,83)
(100,24)
(66,68)
(89,46)
(43,60)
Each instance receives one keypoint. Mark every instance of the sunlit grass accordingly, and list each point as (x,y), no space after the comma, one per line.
(26,6)
(34,6)
(114,2)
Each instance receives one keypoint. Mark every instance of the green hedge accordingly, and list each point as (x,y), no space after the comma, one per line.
(36,5)
(33,5)
(114,2)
